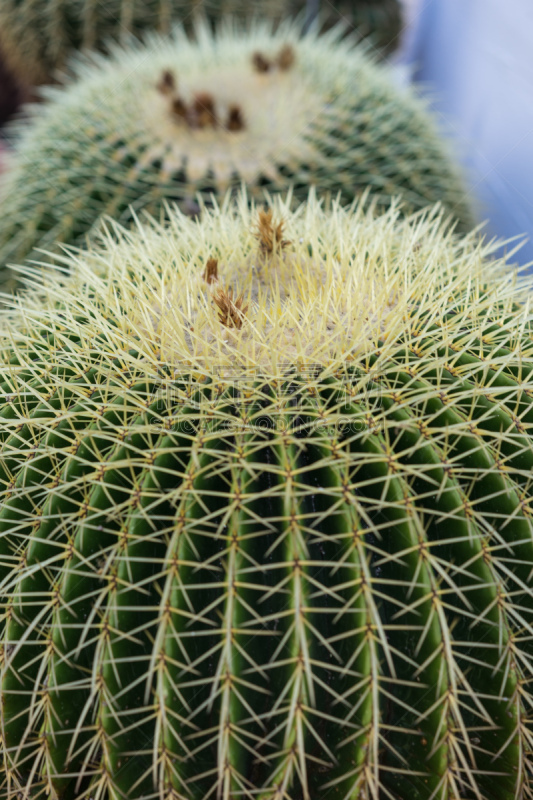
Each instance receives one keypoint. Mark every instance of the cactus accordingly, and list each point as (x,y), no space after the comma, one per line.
(11,93)
(379,20)
(4,158)
(265,518)
(39,38)
(177,117)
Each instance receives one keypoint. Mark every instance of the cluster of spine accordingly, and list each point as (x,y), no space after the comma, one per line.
(39,38)
(290,112)
(293,583)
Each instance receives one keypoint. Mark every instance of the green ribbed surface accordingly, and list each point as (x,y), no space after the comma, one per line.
(381,21)
(39,37)
(325,583)
(290,560)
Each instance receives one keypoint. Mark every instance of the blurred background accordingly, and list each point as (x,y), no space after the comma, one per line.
(474,60)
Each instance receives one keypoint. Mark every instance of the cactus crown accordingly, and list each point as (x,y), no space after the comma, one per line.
(308,577)
(227,119)
(289,296)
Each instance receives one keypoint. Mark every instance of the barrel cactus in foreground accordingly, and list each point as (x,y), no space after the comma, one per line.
(39,38)
(266,521)
(177,117)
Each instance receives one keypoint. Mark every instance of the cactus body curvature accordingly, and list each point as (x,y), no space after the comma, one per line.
(174,118)
(265,515)
(39,38)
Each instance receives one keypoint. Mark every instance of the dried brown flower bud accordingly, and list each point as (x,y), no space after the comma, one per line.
(231,312)
(270,236)
(286,57)
(210,273)
(167,82)
(204,110)
(235,119)
(179,108)
(261,62)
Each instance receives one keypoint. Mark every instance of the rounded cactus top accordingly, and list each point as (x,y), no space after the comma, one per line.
(263,288)
(180,116)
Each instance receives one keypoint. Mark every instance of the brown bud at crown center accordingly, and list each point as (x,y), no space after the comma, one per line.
(203,113)
(167,82)
(261,62)
(210,274)
(235,119)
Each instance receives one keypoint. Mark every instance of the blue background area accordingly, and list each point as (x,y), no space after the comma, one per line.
(475,59)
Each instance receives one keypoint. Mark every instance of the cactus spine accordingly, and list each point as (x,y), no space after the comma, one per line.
(265,520)
(177,117)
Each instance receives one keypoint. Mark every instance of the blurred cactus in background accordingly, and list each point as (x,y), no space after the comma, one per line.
(39,37)
(179,116)
(379,21)
(4,155)
(11,93)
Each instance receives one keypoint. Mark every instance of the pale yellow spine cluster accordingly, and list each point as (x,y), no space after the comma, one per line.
(264,287)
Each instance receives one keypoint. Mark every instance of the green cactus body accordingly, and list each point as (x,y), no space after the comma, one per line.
(38,38)
(11,94)
(177,118)
(273,542)
(378,20)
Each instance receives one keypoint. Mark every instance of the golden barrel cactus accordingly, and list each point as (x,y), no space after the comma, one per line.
(265,515)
